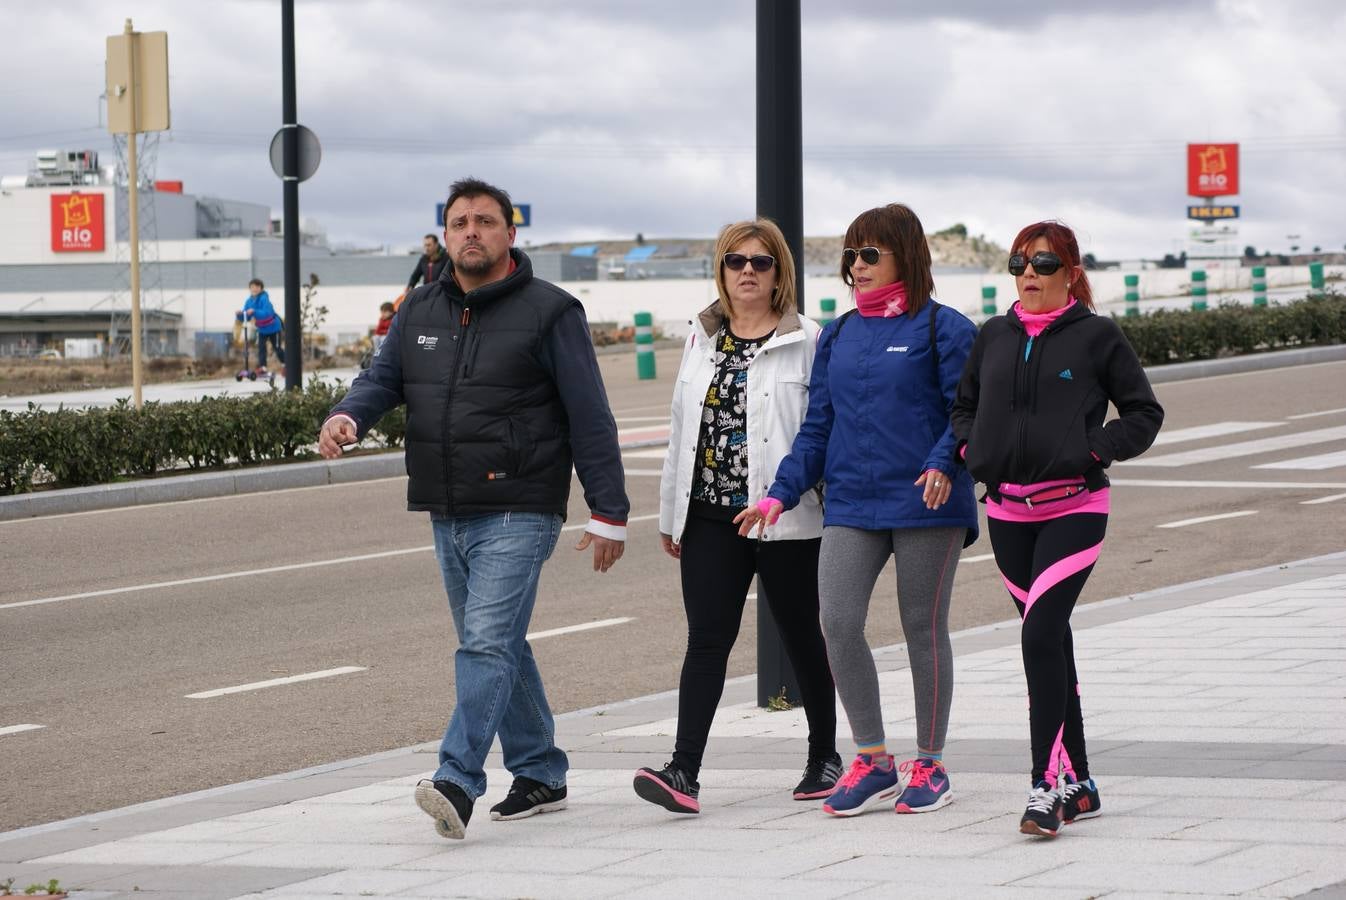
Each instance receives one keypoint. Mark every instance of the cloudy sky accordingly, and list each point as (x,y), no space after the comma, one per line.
(613,117)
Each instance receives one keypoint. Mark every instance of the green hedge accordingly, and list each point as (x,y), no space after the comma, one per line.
(1230,329)
(73,447)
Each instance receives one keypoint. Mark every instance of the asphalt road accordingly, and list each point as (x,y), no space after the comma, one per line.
(148,605)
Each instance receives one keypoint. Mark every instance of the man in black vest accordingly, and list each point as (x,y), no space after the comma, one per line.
(503,397)
(432,262)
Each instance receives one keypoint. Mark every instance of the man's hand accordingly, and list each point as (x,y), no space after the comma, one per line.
(337,432)
(606,550)
(671,547)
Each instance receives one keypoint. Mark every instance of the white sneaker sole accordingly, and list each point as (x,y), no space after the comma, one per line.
(437,806)
(554,806)
(884,796)
(944,800)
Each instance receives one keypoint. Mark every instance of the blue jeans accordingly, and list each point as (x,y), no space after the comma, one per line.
(491,564)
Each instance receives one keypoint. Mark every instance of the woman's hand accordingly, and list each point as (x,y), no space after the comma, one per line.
(765,512)
(670,547)
(936,488)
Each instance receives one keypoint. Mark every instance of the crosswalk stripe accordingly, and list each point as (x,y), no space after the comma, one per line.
(1312,463)
(1242,448)
(1217,429)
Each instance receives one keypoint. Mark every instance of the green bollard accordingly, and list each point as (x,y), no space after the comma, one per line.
(827,310)
(988,300)
(1132,295)
(644,346)
(1259,285)
(1317,282)
(1198,289)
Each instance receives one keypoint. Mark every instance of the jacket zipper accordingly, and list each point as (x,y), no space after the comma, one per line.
(453,380)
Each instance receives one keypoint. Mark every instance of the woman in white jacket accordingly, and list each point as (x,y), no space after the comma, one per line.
(740,397)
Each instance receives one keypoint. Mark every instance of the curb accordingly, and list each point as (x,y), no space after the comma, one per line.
(391,464)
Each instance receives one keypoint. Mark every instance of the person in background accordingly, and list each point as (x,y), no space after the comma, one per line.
(386,312)
(258,309)
(877,435)
(431,264)
(738,400)
(1030,424)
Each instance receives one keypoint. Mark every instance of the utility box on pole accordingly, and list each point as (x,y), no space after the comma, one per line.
(137,101)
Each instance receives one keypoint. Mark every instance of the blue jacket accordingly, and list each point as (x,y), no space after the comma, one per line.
(878,417)
(263,314)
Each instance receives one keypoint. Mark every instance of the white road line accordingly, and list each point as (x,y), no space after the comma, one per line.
(664,419)
(1311,463)
(645,473)
(16,729)
(982,558)
(1323,500)
(651,453)
(1218,429)
(1183,523)
(571,629)
(1325,412)
(1259,485)
(275,682)
(224,576)
(1242,448)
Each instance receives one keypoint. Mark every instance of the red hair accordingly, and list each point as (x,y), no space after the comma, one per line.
(1062,242)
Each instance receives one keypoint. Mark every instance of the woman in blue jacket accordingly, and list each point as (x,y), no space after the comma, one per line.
(877,436)
(267,323)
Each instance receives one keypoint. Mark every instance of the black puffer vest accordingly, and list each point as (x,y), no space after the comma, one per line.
(486,431)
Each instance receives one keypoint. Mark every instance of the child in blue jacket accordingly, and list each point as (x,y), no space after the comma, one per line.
(267,323)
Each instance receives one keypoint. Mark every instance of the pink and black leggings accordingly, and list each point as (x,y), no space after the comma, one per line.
(1045,565)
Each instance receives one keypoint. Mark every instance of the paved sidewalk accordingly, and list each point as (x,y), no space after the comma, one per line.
(1217,732)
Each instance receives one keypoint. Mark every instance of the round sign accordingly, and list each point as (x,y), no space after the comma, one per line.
(310,153)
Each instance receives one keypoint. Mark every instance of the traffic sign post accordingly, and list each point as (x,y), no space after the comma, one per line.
(988,300)
(1259,285)
(1132,295)
(1198,289)
(644,346)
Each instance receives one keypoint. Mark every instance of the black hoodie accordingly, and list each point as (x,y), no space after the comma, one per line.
(1032,409)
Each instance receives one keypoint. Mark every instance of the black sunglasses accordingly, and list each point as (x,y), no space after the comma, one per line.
(760,262)
(1042,263)
(869,254)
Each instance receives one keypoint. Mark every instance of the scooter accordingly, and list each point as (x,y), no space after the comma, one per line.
(248,371)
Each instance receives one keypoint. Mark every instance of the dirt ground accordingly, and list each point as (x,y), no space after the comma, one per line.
(44,376)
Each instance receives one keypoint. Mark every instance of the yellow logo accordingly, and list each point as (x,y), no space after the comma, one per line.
(1213,161)
(76,212)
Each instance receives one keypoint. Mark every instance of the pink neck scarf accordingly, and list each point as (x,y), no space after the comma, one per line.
(889,301)
(1035,323)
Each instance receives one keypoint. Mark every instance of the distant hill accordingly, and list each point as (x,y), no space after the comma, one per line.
(950,248)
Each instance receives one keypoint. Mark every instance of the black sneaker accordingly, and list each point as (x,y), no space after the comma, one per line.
(820,778)
(447,804)
(1080,800)
(1043,815)
(670,787)
(527,797)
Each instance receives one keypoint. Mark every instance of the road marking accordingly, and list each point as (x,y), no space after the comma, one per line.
(1323,500)
(1242,448)
(982,558)
(649,473)
(275,682)
(291,567)
(664,419)
(1326,412)
(1267,485)
(1201,432)
(1183,523)
(1311,463)
(652,453)
(571,629)
(16,729)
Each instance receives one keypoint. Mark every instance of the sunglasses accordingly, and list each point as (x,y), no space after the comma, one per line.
(869,254)
(735,262)
(1042,263)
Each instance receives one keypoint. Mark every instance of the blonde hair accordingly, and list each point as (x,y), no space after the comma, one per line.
(769,233)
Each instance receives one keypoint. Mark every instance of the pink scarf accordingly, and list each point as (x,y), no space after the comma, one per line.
(1035,323)
(889,301)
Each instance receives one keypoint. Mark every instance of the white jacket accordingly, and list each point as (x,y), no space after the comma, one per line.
(778,396)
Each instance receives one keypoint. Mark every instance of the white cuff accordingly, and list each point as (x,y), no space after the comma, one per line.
(603,529)
(354,424)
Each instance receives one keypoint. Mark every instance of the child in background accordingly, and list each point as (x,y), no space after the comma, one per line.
(268,325)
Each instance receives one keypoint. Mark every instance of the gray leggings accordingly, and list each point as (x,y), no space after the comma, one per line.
(848,567)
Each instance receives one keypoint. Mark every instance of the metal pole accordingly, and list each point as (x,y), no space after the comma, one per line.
(294,366)
(780,197)
(133,214)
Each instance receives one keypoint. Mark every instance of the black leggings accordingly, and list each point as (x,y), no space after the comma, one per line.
(717,569)
(1045,565)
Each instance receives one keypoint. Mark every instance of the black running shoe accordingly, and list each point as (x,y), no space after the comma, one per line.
(1080,800)
(670,787)
(447,804)
(820,778)
(1043,815)
(526,798)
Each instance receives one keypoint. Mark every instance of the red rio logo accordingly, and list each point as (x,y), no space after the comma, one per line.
(76,222)
(1212,170)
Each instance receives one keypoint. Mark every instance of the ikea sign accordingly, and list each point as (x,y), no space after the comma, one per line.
(1205,212)
(523,215)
